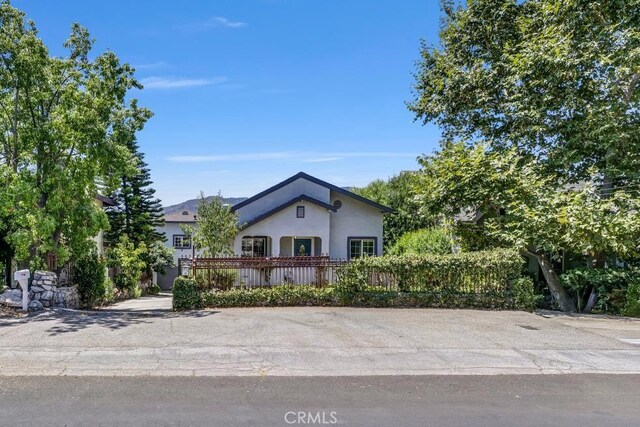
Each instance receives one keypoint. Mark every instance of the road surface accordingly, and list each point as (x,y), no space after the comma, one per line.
(499,400)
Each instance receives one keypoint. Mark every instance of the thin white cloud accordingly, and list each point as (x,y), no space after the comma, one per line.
(322,159)
(307,157)
(173,82)
(213,22)
(150,65)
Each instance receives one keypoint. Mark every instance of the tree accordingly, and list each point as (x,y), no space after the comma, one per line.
(398,193)
(555,79)
(138,214)
(63,123)
(437,240)
(523,207)
(216,227)
(548,90)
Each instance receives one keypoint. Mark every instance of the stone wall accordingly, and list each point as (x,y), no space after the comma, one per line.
(44,292)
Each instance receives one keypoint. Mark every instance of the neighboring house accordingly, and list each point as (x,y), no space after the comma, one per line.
(178,240)
(175,237)
(304,215)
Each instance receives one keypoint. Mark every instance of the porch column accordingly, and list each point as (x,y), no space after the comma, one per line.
(275,245)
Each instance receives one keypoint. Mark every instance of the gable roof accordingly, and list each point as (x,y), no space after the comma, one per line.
(302,197)
(184,216)
(315,180)
(106,201)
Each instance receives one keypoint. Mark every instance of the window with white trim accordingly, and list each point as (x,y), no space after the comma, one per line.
(181,241)
(254,246)
(359,247)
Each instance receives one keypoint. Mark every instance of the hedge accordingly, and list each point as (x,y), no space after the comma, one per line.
(277,296)
(521,297)
(488,280)
(465,273)
(186,295)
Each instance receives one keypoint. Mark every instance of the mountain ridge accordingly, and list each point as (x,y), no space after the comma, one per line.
(191,205)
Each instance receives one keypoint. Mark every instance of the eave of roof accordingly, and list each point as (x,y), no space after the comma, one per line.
(106,201)
(315,180)
(300,198)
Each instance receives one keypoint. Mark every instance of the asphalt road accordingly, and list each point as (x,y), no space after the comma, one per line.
(315,341)
(499,400)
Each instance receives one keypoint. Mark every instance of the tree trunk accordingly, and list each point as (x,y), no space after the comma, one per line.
(591,302)
(559,294)
(8,261)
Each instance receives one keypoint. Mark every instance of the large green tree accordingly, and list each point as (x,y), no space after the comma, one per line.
(62,127)
(138,214)
(523,207)
(545,92)
(398,193)
(556,79)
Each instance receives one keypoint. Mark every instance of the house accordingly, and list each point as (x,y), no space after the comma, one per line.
(304,215)
(300,216)
(176,238)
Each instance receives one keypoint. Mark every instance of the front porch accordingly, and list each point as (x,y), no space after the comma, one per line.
(280,246)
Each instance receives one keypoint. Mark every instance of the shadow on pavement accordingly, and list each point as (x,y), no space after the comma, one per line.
(74,321)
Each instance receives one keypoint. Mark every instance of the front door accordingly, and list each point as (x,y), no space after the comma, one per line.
(301,247)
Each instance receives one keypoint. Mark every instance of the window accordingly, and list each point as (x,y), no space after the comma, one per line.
(362,246)
(254,246)
(300,212)
(181,241)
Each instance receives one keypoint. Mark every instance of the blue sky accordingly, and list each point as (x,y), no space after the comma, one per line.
(248,92)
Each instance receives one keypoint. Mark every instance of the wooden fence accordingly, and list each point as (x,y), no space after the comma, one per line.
(227,272)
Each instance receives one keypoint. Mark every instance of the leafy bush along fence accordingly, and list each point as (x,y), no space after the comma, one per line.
(229,272)
(490,279)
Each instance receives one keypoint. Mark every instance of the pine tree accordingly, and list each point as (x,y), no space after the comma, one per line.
(138,213)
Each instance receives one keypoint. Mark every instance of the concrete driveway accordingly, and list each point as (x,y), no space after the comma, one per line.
(316,341)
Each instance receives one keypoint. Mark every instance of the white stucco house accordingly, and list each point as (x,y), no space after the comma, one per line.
(304,215)
(300,216)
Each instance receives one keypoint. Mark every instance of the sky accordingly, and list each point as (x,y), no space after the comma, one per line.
(246,93)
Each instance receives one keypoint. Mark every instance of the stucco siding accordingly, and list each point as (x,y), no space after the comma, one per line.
(316,223)
(170,229)
(282,196)
(353,219)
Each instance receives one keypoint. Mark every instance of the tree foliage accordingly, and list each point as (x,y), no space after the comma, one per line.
(138,214)
(216,227)
(64,120)
(556,79)
(437,240)
(398,193)
(522,206)
(540,107)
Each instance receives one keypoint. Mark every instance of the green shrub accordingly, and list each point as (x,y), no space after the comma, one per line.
(277,296)
(632,303)
(610,284)
(89,274)
(425,241)
(152,289)
(185,294)
(470,272)
(109,292)
(523,294)
(130,259)
(220,279)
